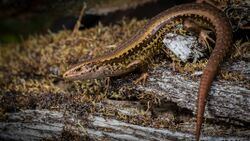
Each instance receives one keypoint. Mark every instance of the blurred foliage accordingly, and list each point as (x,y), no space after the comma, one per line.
(22,18)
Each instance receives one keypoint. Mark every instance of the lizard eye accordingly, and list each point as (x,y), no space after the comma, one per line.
(78,69)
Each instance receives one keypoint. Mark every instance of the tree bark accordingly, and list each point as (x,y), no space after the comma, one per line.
(227,100)
(53,125)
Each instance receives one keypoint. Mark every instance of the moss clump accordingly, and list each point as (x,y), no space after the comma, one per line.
(35,66)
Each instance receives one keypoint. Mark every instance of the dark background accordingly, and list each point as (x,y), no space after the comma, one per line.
(21,18)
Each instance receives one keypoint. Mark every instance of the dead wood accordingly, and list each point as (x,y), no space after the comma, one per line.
(228,100)
(52,125)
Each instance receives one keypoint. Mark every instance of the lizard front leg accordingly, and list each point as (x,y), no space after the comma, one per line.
(137,64)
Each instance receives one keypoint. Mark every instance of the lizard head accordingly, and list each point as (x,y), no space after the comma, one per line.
(86,71)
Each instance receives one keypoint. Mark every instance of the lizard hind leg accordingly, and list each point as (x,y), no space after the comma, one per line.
(205,39)
(203,33)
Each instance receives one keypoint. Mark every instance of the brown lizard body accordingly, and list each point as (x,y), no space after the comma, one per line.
(136,50)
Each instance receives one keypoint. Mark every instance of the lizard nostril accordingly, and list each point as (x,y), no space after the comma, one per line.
(65,75)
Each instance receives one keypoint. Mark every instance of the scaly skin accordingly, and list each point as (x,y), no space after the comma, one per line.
(215,2)
(145,44)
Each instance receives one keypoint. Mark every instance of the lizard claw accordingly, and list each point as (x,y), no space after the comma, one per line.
(142,78)
(204,38)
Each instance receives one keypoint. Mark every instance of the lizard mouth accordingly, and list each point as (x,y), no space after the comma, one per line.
(69,75)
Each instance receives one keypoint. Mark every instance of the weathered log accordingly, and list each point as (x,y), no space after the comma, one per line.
(228,100)
(44,124)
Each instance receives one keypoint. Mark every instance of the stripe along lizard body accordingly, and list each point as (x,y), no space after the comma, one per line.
(142,46)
